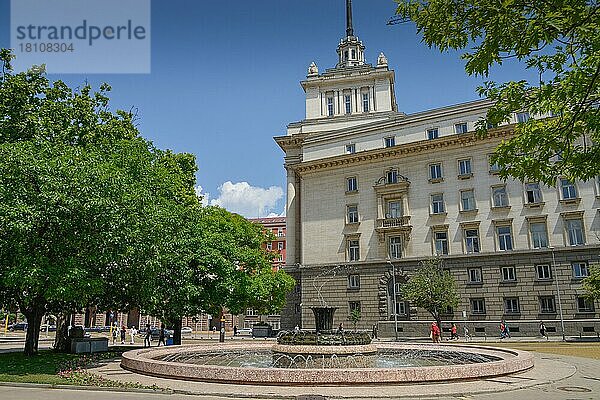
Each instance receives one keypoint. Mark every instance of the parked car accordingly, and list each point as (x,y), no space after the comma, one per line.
(18,326)
(186,330)
(47,328)
(155,333)
(244,332)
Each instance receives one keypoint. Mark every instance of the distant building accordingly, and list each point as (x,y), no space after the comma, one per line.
(372,192)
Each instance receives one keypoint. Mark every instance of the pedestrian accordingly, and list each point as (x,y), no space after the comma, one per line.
(340,328)
(132,333)
(115,332)
(123,333)
(435,332)
(161,335)
(467,334)
(543,330)
(235,330)
(453,332)
(148,336)
(296,329)
(504,330)
(374,332)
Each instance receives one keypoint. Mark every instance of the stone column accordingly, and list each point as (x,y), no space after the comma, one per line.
(291,212)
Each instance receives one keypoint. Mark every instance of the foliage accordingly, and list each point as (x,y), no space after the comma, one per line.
(431,288)
(557,40)
(591,284)
(355,316)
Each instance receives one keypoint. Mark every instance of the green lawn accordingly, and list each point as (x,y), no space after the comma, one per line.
(43,368)
(587,350)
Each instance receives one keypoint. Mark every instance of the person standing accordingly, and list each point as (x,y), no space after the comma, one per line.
(235,330)
(147,336)
(543,330)
(454,332)
(115,332)
(161,335)
(123,333)
(435,332)
(132,333)
(374,332)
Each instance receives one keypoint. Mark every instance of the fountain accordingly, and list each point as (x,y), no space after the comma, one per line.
(325,357)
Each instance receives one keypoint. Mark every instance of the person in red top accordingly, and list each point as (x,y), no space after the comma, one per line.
(454,332)
(435,332)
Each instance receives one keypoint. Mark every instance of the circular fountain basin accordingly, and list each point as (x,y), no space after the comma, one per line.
(392,364)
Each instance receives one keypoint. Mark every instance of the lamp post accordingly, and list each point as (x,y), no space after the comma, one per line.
(394,300)
(562,322)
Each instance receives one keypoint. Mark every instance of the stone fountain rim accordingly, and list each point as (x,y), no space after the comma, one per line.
(138,361)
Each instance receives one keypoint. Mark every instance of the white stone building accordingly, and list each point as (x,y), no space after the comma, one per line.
(371,190)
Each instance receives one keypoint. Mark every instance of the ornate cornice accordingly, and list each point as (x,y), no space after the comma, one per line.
(400,150)
(290,142)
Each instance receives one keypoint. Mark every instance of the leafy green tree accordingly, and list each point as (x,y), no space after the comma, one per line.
(432,288)
(591,284)
(355,316)
(557,40)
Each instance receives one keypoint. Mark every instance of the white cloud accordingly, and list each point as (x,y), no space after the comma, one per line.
(274,214)
(203,196)
(247,200)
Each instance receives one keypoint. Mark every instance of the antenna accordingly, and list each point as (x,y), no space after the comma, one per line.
(349,28)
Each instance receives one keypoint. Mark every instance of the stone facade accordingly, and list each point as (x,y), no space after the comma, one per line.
(371,190)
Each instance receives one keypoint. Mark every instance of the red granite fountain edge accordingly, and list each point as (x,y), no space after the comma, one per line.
(144,361)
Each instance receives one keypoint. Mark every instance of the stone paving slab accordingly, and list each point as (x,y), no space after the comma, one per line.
(547,370)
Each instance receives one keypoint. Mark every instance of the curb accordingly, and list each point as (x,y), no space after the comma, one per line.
(84,388)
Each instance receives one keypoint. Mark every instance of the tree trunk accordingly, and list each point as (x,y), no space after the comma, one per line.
(177,331)
(61,342)
(34,317)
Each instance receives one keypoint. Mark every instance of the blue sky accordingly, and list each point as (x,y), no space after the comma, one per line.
(225,79)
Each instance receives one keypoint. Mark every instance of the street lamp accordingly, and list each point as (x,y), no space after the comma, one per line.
(394,300)
(562,321)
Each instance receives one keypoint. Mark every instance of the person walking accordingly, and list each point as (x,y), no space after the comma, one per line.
(435,332)
(148,336)
(161,335)
(123,333)
(453,332)
(467,334)
(374,332)
(235,330)
(543,330)
(132,333)
(115,332)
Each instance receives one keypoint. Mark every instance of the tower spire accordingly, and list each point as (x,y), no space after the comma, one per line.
(349,28)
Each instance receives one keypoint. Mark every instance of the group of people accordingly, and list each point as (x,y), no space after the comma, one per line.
(435,332)
(121,332)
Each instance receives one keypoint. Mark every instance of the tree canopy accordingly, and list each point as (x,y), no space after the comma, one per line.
(431,288)
(558,40)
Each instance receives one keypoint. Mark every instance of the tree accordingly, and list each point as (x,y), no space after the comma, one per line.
(355,316)
(432,288)
(591,284)
(557,40)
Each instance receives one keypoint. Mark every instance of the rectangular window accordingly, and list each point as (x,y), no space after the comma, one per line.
(280,246)
(505,241)
(269,246)
(354,305)
(547,305)
(352,213)
(390,141)
(511,305)
(575,232)
(437,203)
(475,275)
(467,200)
(251,312)
(461,127)
(350,148)
(395,247)
(348,103)
(543,272)
(354,281)
(330,106)
(400,308)
(353,250)
(432,133)
(441,242)
(365,101)
(351,184)
(392,176)
(523,117)
(477,306)
(539,235)
(464,167)
(580,270)
(280,232)
(584,305)
(567,189)
(394,209)
(533,194)
(472,241)
(435,171)
(494,167)
(499,196)
(508,274)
